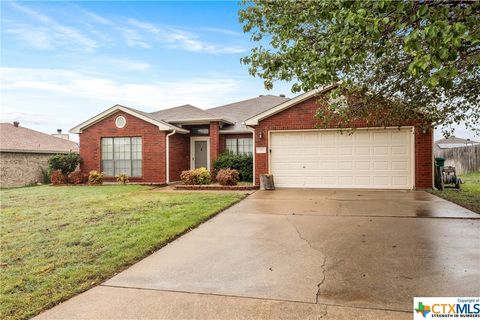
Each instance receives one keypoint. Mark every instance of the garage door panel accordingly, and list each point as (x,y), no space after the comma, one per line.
(345,165)
(328,159)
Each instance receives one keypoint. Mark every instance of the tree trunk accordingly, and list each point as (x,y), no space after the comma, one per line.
(266,182)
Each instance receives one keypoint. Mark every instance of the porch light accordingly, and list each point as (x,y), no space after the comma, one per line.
(260,134)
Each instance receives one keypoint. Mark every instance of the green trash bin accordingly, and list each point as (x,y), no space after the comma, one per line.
(439,161)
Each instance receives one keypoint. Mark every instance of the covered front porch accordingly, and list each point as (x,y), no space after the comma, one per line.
(202,146)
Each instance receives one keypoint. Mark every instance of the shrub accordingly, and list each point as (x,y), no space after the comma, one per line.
(228,177)
(45,175)
(76,177)
(95,177)
(67,163)
(240,162)
(57,177)
(196,176)
(122,178)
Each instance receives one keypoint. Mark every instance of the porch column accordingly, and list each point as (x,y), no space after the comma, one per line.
(214,142)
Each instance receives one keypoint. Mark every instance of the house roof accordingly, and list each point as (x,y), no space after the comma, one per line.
(162,125)
(186,114)
(231,115)
(253,120)
(454,142)
(242,110)
(20,139)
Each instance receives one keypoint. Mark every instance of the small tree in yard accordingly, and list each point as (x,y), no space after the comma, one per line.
(423,56)
(66,163)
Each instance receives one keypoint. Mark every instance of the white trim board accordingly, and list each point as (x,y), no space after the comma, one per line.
(162,126)
(192,150)
(253,121)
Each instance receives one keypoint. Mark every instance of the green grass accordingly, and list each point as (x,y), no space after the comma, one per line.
(59,241)
(469,194)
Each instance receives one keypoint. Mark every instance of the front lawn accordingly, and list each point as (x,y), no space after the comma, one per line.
(59,241)
(468,196)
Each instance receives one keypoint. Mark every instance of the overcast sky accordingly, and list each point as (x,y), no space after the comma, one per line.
(62,63)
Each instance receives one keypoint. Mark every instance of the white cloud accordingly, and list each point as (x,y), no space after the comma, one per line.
(38,38)
(188,41)
(47,99)
(50,34)
(221,30)
(43,32)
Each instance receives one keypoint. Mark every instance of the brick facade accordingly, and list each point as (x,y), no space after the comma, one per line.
(302,116)
(214,142)
(179,155)
(153,140)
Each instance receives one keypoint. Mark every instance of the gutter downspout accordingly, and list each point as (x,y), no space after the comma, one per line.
(167,155)
(253,151)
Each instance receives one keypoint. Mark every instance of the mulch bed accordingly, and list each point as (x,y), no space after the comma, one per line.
(213,187)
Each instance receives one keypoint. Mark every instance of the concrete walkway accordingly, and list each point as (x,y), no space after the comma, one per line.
(300,254)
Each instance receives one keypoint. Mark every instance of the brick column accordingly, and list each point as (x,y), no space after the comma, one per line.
(214,142)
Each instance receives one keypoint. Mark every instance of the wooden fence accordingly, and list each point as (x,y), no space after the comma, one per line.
(464,159)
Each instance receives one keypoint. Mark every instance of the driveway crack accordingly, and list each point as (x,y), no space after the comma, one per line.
(322,266)
(319,285)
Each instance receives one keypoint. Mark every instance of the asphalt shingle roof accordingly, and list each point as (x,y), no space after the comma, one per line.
(20,139)
(182,113)
(242,110)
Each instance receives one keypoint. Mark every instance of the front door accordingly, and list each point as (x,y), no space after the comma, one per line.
(200,158)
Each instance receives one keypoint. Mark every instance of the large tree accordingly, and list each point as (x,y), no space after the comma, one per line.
(422,55)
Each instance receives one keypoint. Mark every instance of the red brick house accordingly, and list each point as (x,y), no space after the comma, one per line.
(280,133)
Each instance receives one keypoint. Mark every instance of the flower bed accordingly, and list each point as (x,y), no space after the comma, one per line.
(214,187)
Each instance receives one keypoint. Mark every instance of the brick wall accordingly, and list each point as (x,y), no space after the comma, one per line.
(302,116)
(179,155)
(423,159)
(214,142)
(19,169)
(153,157)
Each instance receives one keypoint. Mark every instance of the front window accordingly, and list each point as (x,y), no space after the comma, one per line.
(122,155)
(239,145)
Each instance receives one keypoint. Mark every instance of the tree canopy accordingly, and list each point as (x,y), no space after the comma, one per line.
(422,55)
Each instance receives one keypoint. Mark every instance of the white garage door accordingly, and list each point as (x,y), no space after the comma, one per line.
(377,159)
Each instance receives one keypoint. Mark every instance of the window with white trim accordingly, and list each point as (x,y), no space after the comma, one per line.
(122,155)
(239,145)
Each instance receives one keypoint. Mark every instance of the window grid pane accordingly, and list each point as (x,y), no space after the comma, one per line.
(245,146)
(122,155)
(231,145)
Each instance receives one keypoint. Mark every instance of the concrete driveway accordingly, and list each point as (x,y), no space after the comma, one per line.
(301,253)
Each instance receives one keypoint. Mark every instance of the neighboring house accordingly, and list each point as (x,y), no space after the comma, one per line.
(281,134)
(23,152)
(452,142)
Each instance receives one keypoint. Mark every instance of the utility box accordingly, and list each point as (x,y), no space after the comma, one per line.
(266,182)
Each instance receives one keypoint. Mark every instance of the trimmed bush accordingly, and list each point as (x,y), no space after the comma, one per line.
(228,177)
(76,177)
(95,178)
(241,162)
(57,177)
(122,178)
(67,163)
(196,176)
(45,175)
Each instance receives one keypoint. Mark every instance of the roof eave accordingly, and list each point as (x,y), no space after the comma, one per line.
(253,121)
(162,126)
(38,151)
(199,121)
